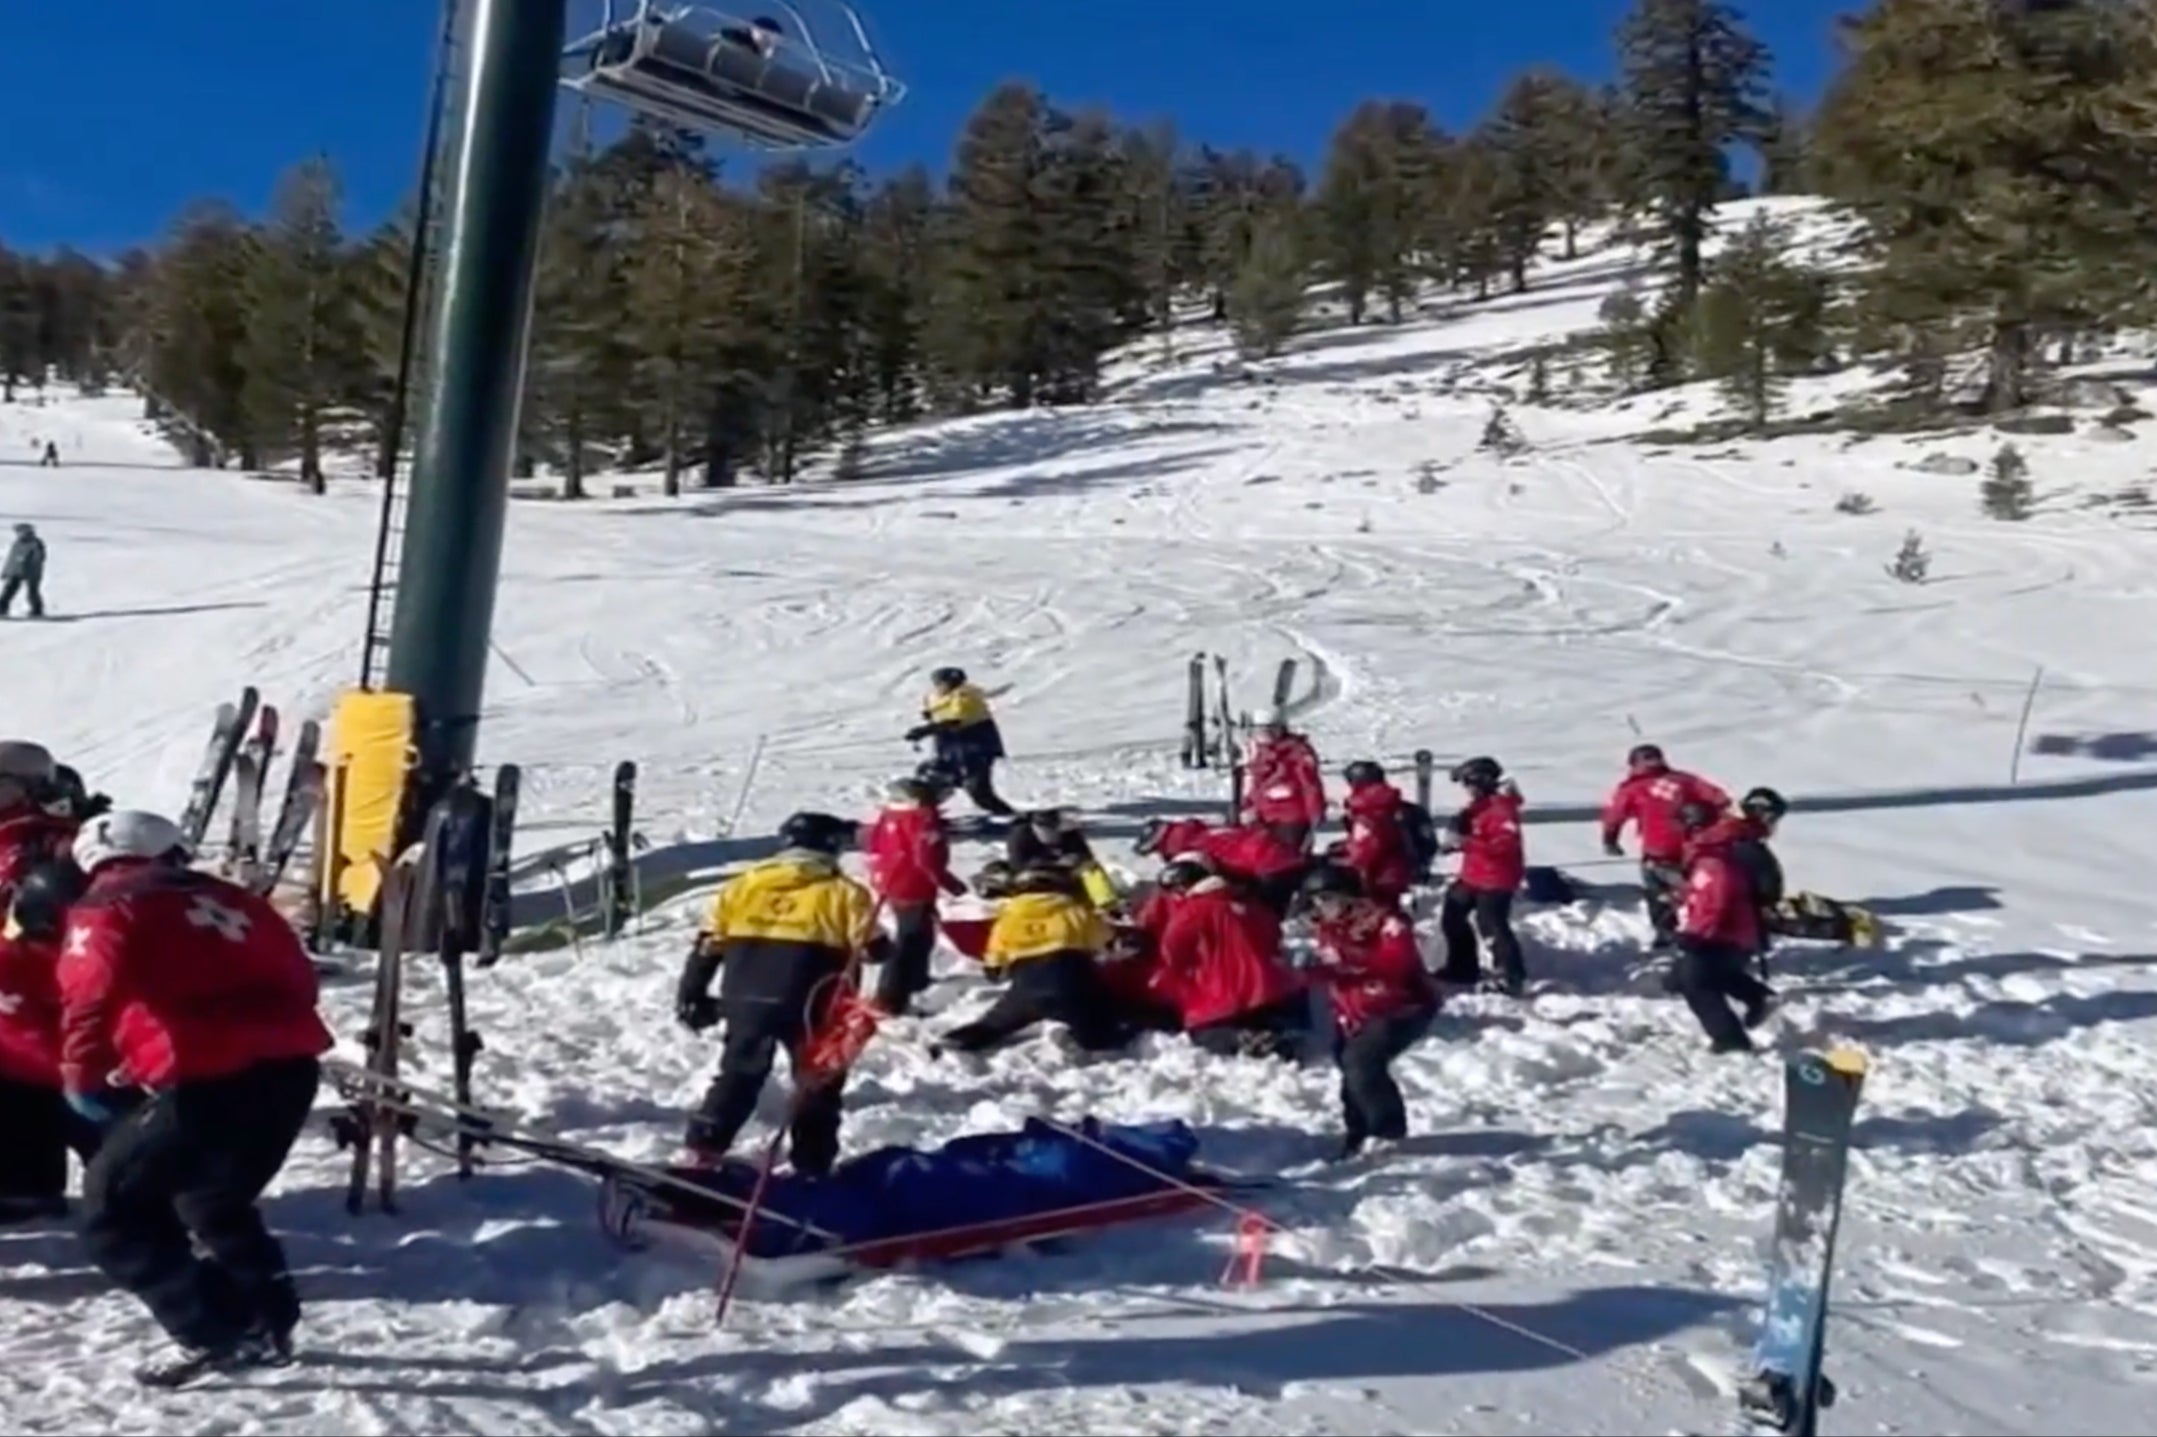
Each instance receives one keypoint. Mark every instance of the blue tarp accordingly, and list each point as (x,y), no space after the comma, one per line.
(900,1192)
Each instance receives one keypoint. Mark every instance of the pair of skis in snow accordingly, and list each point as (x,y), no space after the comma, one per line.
(1209,735)
(243,740)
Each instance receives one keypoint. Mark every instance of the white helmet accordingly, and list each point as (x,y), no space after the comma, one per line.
(130,833)
(26,762)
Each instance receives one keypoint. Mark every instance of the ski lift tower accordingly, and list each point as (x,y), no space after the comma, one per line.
(769,78)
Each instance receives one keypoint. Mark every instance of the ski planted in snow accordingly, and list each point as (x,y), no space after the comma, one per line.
(494,929)
(373,1128)
(459,834)
(1224,716)
(1787,1392)
(1194,714)
(1426,762)
(1284,681)
(227,732)
(616,896)
(303,794)
(249,771)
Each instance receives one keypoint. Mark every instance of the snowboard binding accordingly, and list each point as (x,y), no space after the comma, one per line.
(1770,1399)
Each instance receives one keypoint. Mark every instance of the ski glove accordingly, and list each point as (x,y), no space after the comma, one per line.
(1614,848)
(919,732)
(953,885)
(697,1014)
(96,1107)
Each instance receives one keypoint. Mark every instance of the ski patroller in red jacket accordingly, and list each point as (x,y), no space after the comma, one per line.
(1142,978)
(29,836)
(909,854)
(168,976)
(1718,905)
(1651,802)
(1222,954)
(1493,856)
(1252,853)
(30,1012)
(1371,966)
(1377,848)
(1282,782)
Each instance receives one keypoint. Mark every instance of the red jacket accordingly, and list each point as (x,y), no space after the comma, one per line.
(1652,801)
(28,836)
(168,975)
(1492,856)
(909,854)
(1250,853)
(1377,848)
(1141,977)
(1372,965)
(1222,955)
(1282,782)
(30,1012)
(1718,906)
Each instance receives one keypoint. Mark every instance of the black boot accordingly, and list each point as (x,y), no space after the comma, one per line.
(191,1364)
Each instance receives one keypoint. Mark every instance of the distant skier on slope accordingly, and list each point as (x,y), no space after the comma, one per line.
(1720,930)
(23,572)
(1383,999)
(1283,787)
(1649,797)
(778,939)
(909,855)
(1493,864)
(199,993)
(956,716)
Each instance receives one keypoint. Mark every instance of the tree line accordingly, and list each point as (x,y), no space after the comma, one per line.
(1998,153)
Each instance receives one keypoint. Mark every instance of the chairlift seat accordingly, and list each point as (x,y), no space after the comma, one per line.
(686,68)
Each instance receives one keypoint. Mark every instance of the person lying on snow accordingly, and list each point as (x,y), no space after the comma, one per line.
(1383,999)
(1283,789)
(1720,929)
(1649,797)
(1378,846)
(1047,939)
(1253,855)
(779,939)
(956,716)
(37,1128)
(1051,838)
(909,853)
(1220,952)
(1493,863)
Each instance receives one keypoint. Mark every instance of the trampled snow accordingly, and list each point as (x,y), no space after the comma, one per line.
(1571,1239)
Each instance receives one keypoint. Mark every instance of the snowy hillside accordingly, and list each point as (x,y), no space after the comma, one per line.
(1570,1242)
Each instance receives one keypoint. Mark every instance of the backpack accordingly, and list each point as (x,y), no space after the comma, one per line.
(1420,832)
(1762,871)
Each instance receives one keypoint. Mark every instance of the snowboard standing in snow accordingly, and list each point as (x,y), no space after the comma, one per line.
(1284,680)
(227,732)
(1787,1392)
(494,932)
(1194,715)
(617,901)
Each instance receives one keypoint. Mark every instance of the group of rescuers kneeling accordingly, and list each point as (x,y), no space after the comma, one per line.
(1202,953)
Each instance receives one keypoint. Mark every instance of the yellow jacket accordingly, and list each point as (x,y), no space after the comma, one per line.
(962,707)
(795,898)
(1034,925)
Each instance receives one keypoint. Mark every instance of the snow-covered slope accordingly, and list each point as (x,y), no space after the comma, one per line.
(1570,1241)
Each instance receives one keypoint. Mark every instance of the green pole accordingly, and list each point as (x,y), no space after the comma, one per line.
(451,556)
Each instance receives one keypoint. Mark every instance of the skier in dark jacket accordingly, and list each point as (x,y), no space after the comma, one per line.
(778,940)
(956,717)
(23,572)
(1046,838)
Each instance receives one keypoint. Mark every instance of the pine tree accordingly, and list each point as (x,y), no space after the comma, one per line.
(195,334)
(301,337)
(1533,171)
(1694,81)
(20,357)
(1784,147)
(1372,200)
(679,304)
(2006,492)
(1741,314)
(1269,295)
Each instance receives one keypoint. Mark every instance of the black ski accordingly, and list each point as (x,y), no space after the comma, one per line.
(1284,680)
(1194,714)
(459,833)
(227,733)
(495,921)
(303,794)
(1787,1392)
(617,899)
(249,772)
(1224,716)
(1426,762)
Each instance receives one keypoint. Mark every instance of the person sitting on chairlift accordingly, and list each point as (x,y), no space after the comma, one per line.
(761,35)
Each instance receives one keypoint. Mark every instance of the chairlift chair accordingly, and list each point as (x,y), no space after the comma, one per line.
(705,69)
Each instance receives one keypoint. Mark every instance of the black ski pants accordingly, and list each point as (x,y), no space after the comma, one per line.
(1712,976)
(1272,1032)
(756,1031)
(1061,988)
(906,971)
(1371,1103)
(979,779)
(1660,885)
(185,1169)
(37,1131)
(31,587)
(1468,912)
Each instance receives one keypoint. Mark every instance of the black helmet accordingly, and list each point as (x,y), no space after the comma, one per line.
(1331,880)
(994,879)
(1185,871)
(818,832)
(1478,775)
(1149,835)
(1764,804)
(1646,758)
(913,788)
(1363,771)
(43,895)
(1051,819)
(950,676)
(1693,815)
(1044,878)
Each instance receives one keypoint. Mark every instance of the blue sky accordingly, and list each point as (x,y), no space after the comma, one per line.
(112,117)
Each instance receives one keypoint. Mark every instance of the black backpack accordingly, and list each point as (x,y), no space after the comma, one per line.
(1420,831)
